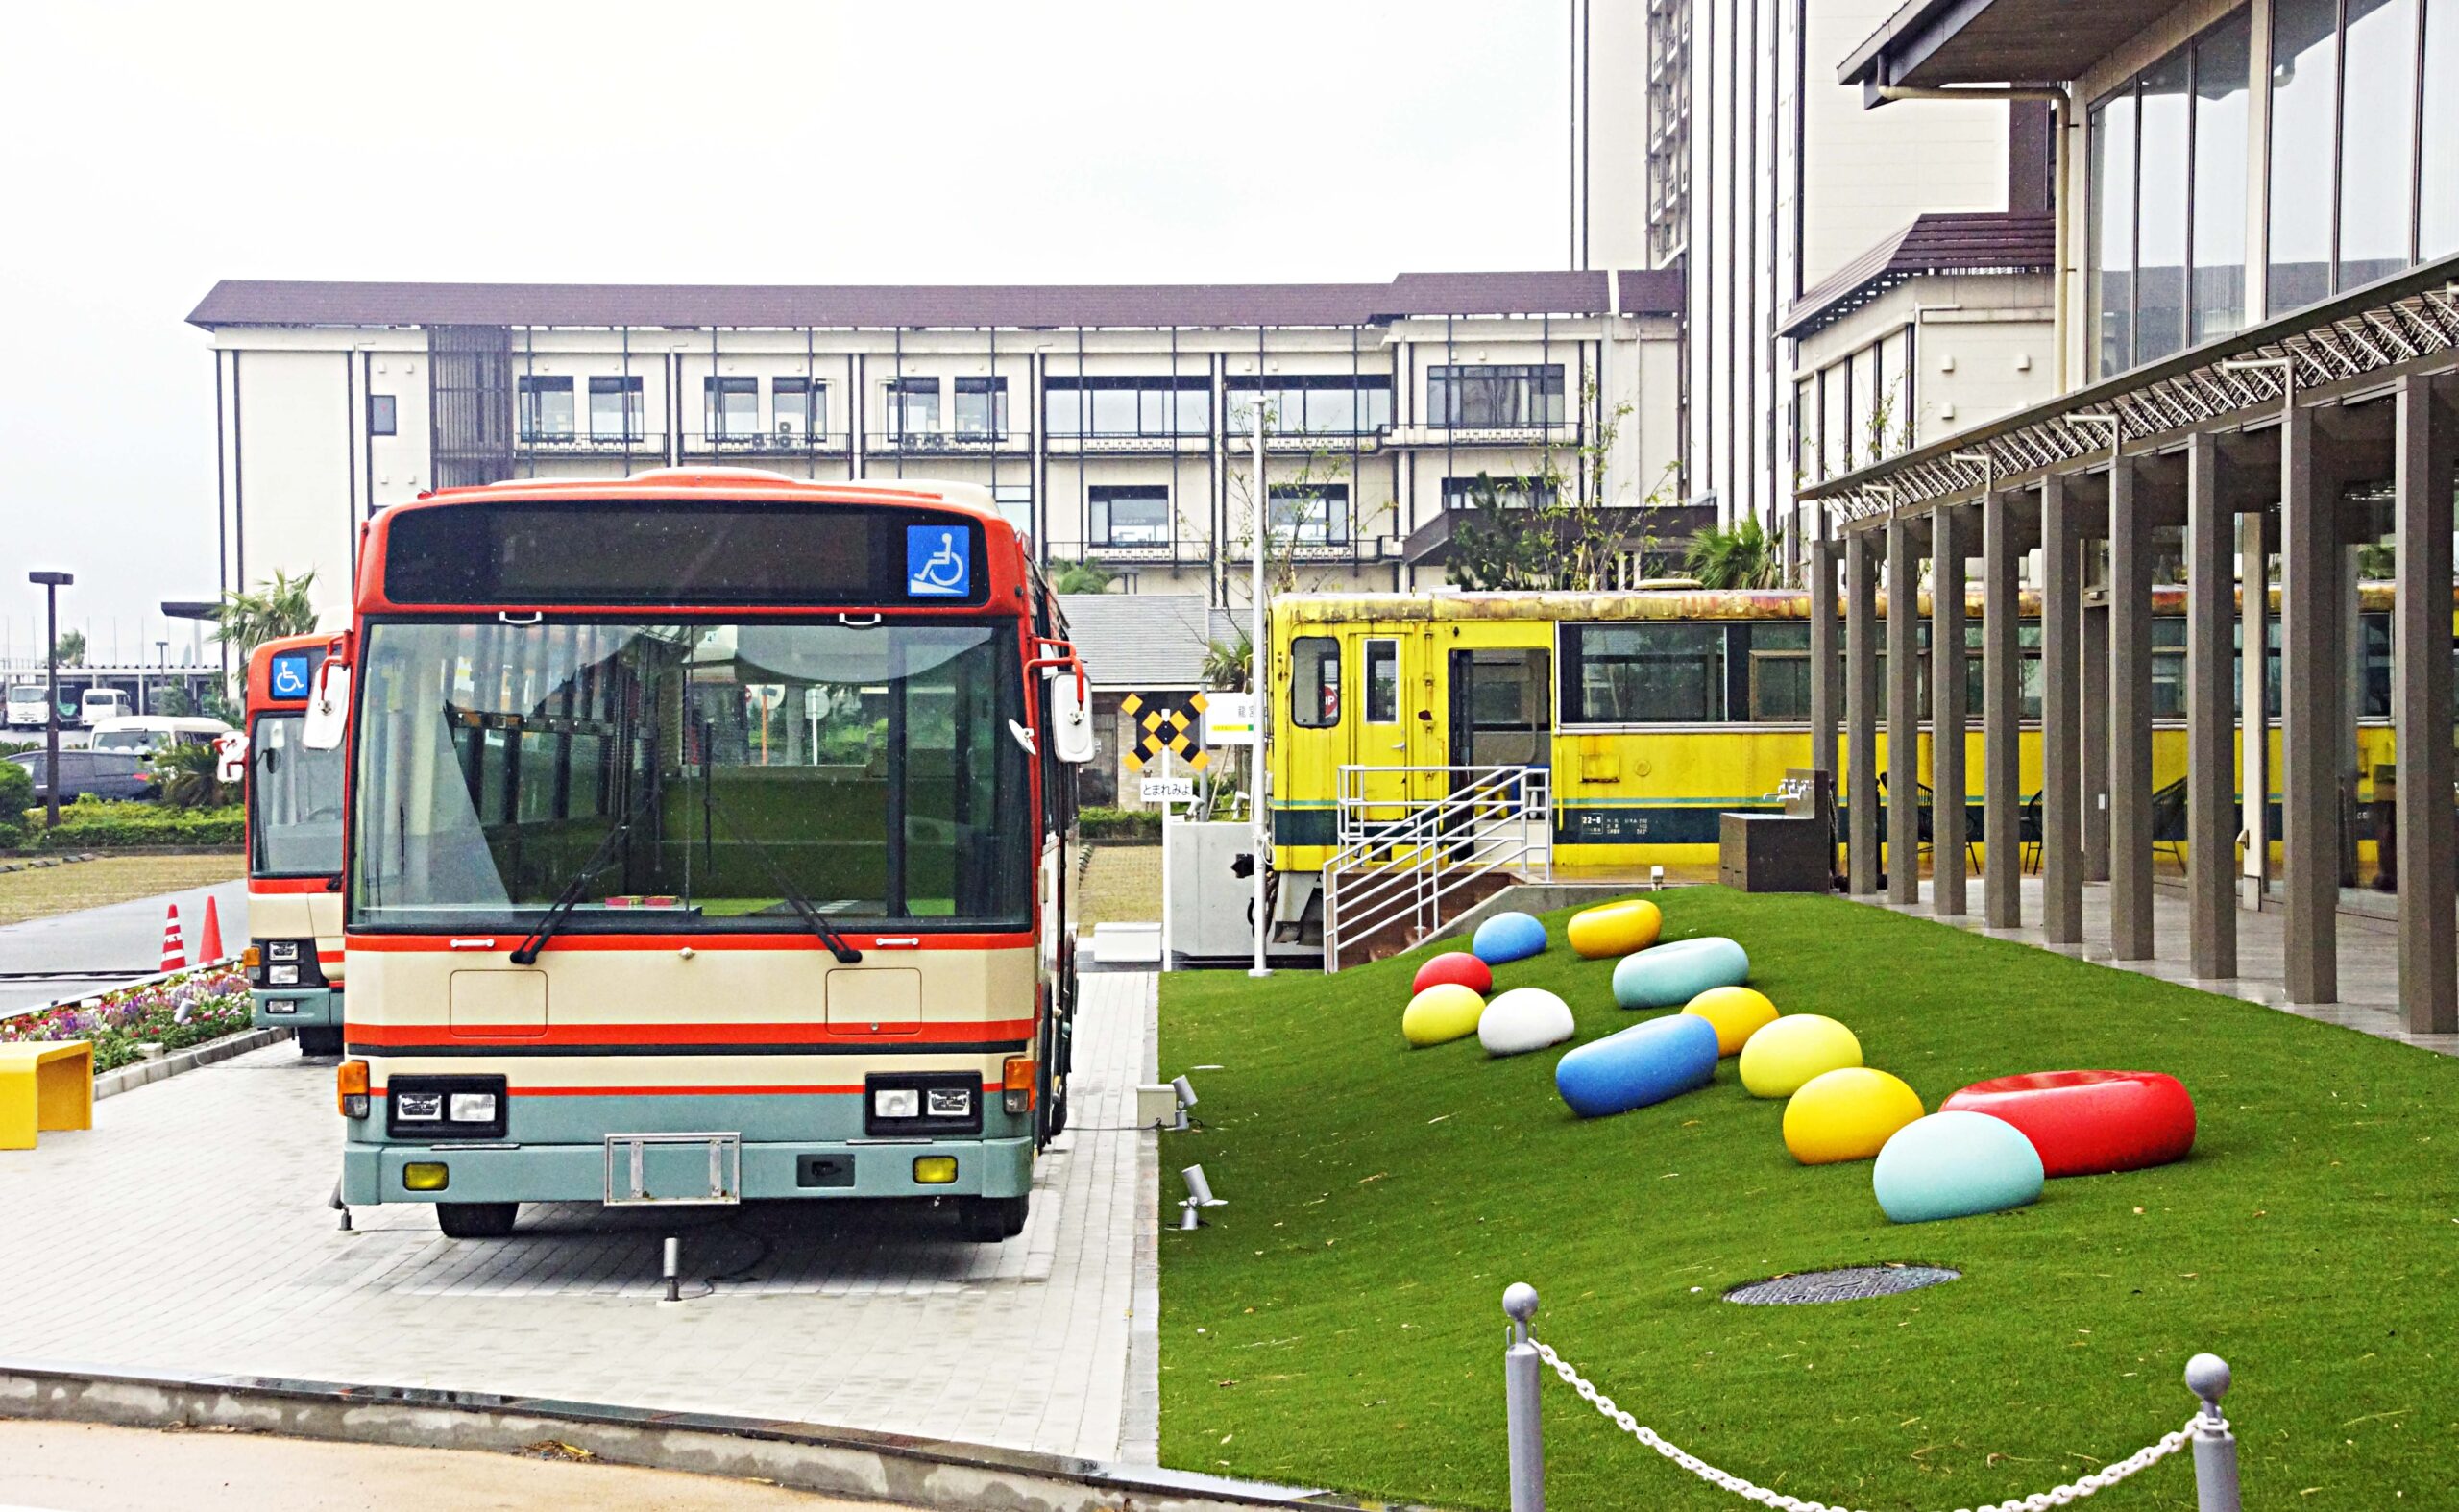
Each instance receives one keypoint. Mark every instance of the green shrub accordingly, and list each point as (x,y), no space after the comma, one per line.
(16,796)
(1128,825)
(95,824)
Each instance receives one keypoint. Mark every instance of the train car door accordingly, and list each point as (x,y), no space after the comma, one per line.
(1502,707)
(1393,732)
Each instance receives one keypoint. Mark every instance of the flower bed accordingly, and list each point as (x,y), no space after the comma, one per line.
(175,1014)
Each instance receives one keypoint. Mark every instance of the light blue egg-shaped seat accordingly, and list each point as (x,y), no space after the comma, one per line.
(1508,936)
(1672,974)
(1641,1065)
(1955,1166)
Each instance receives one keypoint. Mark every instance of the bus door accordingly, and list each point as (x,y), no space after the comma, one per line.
(1501,709)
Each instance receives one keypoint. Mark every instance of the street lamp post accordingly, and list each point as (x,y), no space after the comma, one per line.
(51,583)
(162,659)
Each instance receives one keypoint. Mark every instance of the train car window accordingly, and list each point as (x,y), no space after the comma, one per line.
(1779,673)
(1315,682)
(1382,682)
(1644,673)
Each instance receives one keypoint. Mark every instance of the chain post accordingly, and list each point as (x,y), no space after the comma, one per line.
(2215,1448)
(1519,1380)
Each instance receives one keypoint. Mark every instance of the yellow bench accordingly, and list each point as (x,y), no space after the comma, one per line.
(44,1085)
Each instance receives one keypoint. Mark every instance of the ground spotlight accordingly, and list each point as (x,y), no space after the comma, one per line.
(1186,1090)
(1199,1196)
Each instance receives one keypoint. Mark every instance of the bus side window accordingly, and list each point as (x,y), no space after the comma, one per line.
(1315,682)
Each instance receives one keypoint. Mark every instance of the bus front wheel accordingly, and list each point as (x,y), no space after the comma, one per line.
(476,1220)
(988,1220)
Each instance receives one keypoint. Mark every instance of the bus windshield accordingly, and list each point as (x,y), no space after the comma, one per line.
(690,776)
(294,802)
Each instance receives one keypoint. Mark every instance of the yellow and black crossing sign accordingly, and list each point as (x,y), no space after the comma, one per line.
(1159,727)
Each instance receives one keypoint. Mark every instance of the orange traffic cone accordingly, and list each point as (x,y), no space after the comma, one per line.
(208,944)
(174,952)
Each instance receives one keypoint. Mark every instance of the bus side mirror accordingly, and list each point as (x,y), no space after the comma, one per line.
(1071,719)
(328,708)
(231,758)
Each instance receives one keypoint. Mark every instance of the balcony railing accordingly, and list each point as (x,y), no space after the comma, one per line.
(767,444)
(566,443)
(942,443)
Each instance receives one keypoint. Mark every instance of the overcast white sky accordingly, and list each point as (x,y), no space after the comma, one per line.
(147,150)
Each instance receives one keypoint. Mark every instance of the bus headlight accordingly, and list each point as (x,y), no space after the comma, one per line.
(898,1101)
(913,1103)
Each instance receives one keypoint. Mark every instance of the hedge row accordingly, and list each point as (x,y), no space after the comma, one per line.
(89,824)
(1130,825)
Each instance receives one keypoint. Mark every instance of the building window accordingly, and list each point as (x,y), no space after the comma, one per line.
(2438,217)
(913,407)
(1128,406)
(1337,405)
(615,408)
(1014,503)
(381,414)
(1382,682)
(730,406)
(1128,514)
(2162,203)
(1311,514)
(982,407)
(2223,61)
(546,410)
(1492,396)
(1315,682)
(798,407)
(2377,127)
(2112,233)
(1509,493)
(1669,673)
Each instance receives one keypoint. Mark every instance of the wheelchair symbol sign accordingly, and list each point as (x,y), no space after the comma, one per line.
(938,562)
(288,675)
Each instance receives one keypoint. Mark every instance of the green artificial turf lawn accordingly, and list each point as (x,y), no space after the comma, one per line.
(1339,1322)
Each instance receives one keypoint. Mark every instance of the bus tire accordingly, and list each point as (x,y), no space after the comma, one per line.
(476,1220)
(988,1220)
(323,1042)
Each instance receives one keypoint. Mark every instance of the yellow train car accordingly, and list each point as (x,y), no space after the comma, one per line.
(1651,711)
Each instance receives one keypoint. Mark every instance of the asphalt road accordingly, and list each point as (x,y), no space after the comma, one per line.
(122,939)
(80,1467)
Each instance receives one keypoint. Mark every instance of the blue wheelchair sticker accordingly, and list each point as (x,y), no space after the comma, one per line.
(288,675)
(938,562)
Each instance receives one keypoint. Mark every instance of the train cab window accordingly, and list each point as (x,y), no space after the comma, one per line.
(1382,682)
(1667,673)
(1315,682)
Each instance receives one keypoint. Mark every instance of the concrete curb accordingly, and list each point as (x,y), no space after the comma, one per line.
(803,1456)
(129,1078)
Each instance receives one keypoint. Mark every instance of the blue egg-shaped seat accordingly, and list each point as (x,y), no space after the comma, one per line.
(1672,974)
(1953,1165)
(1641,1065)
(1508,936)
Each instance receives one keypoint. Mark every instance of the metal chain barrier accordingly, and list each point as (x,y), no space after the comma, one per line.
(2038,1502)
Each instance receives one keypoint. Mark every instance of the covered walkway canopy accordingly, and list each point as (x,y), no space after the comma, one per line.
(2306,437)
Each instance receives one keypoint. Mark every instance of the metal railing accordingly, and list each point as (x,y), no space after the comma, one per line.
(1400,857)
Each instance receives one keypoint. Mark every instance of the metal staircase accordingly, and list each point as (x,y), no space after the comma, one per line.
(1401,859)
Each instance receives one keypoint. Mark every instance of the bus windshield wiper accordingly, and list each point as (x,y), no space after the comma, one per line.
(837,943)
(526,952)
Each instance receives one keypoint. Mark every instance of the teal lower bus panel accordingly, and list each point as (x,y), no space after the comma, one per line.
(374,1174)
(302,1008)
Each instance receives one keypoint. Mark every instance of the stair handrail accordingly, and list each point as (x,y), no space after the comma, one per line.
(1407,868)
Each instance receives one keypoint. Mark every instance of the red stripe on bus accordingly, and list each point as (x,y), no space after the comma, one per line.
(412,1036)
(506,939)
(271,886)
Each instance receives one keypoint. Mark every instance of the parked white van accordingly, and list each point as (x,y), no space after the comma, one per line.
(27,701)
(98,704)
(152,734)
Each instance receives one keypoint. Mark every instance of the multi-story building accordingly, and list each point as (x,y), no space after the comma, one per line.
(1853,280)
(1110,422)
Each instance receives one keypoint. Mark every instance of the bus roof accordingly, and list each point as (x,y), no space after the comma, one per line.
(261,691)
(1005,566)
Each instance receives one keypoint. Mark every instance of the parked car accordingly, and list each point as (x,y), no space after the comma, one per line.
(149,735)
(106,774)
(26,704)
(97,704)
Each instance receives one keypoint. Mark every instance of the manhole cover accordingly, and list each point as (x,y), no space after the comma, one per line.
(1851,1283)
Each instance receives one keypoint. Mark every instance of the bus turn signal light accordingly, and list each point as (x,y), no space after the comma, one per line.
(349,1086)
(1017,1083)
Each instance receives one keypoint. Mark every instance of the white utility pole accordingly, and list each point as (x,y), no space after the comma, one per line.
(1258,662)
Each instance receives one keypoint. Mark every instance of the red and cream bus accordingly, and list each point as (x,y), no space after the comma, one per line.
(705,841)
(293,808)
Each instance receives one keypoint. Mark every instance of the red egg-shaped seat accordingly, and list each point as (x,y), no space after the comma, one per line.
(2087,1123)
(1456,965)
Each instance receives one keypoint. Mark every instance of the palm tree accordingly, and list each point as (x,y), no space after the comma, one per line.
(1226,662)
(1734,558)
(191,778)
(246,620)
(1079,577)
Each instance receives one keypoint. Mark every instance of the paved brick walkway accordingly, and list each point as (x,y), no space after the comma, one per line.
(189,1231)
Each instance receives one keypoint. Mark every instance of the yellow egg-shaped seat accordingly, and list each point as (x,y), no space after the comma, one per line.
(1738,1013)
(1444,1012)
(1616,929)
(1848,1115)
(1796,1047)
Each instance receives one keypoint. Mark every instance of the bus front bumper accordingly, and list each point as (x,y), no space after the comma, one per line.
(374,1174)
(295,1008)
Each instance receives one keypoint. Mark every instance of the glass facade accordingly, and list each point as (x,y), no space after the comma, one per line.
(2223,64)
(2163,145)
(2438,167)
(2378,129)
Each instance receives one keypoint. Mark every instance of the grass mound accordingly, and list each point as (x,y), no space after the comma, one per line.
(1339,1323)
